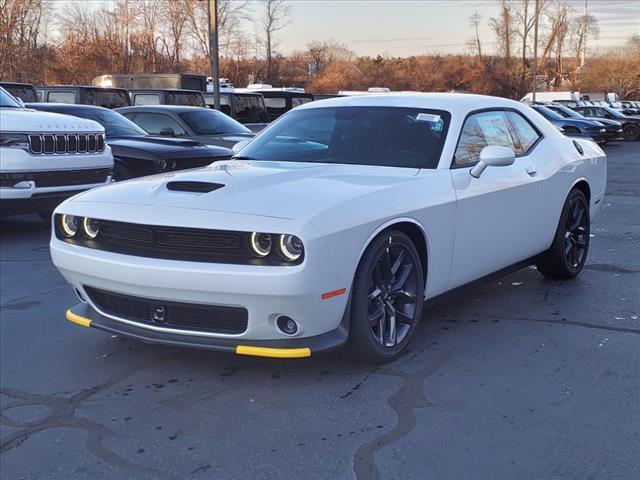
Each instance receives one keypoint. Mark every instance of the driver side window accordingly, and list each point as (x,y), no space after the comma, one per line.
(481,130)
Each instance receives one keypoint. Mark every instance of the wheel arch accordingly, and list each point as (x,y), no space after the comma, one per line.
(415,231)
(583,185)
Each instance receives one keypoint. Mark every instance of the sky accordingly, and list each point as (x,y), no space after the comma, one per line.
(405,28)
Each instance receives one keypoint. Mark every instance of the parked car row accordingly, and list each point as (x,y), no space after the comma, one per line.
(602,124)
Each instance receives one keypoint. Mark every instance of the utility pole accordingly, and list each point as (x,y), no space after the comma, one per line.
(535,51)
(213,51)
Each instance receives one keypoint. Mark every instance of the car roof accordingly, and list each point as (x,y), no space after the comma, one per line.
(66,106)
(436,101)
(161,108)
(172,90)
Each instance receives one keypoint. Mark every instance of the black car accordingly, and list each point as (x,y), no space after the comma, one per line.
(107,97)
(279,102)
(24,91)
(612,127)
(630,125)
(574,126)
(136,153)
(247,108)
(166,96)
(200,124)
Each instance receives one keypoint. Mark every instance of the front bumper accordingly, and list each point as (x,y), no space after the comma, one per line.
(17,201)
(265,292)
(86,316)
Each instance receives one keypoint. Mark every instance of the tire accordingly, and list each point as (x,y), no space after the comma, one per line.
(121,172)
(631,132)
(568,253)
(388,289)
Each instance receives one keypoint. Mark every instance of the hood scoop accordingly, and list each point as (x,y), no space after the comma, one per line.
(193,187)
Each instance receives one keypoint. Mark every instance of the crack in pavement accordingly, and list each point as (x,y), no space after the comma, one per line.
(409,397)
(563,322)
(62,413)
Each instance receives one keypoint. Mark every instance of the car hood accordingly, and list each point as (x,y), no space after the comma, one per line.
(580,122)
(606,122)
(285,190)
(166,147)
(32,121)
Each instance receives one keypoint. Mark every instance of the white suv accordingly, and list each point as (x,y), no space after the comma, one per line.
(46,158)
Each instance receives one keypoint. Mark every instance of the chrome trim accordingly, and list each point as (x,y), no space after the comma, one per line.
(54,137)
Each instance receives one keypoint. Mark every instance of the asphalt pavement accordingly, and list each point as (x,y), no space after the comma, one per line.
(516,378)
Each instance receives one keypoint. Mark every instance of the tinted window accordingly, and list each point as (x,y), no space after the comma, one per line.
(25,94)
(211,122)
(185,99)
(295,101)
(154,123)
(248,108)
(481,130)
(381,136)
(548,113)
(527,135)
(275,102)
(61,97)
(146,99)
(115,124)
(111,99)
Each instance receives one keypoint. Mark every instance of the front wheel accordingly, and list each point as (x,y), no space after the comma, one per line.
(386,300)
(631,132)
(570,246)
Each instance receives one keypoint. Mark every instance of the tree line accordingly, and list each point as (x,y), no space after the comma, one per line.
(43,43)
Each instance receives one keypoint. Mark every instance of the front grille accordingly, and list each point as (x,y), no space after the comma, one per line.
(64,143)
(186,163)
(162,313)
(60,178)
(177,243)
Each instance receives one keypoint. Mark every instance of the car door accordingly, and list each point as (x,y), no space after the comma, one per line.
(497,213)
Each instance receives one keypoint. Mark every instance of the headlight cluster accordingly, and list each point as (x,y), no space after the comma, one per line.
(18,140)
(70,225)
(289,247)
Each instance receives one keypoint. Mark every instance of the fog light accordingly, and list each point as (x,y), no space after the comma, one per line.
(287,325)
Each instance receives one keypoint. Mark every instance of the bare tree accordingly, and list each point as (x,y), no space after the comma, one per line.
(474,22)
(503,28)
(275,18)
(20,22)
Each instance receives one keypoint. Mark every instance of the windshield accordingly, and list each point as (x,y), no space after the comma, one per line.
(381,136)
(548,113)
(7,101)
(567,112)
(212,122)
(115,124)
(613,112)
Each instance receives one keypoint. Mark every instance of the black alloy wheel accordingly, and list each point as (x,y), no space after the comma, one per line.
(631,132)
(576,234)
(568,252)
(387,297)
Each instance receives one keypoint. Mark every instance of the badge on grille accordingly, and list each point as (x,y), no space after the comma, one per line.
(159,314)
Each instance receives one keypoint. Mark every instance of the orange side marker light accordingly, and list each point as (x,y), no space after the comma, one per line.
(334,293)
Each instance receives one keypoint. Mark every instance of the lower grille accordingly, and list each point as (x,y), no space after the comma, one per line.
(59,178)
(162,313)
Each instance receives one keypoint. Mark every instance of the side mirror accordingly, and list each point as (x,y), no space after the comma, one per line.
(168,132)
(239,146)
(493,156)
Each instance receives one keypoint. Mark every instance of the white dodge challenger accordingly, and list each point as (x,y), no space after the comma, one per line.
(332,226)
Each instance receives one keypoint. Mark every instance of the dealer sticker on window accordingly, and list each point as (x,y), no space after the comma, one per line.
(427,117)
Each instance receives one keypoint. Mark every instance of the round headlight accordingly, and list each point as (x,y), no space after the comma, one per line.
(69,225)
(90,227)
(291,247)
(261,244)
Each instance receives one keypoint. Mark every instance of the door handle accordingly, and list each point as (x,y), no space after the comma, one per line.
(532,171)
